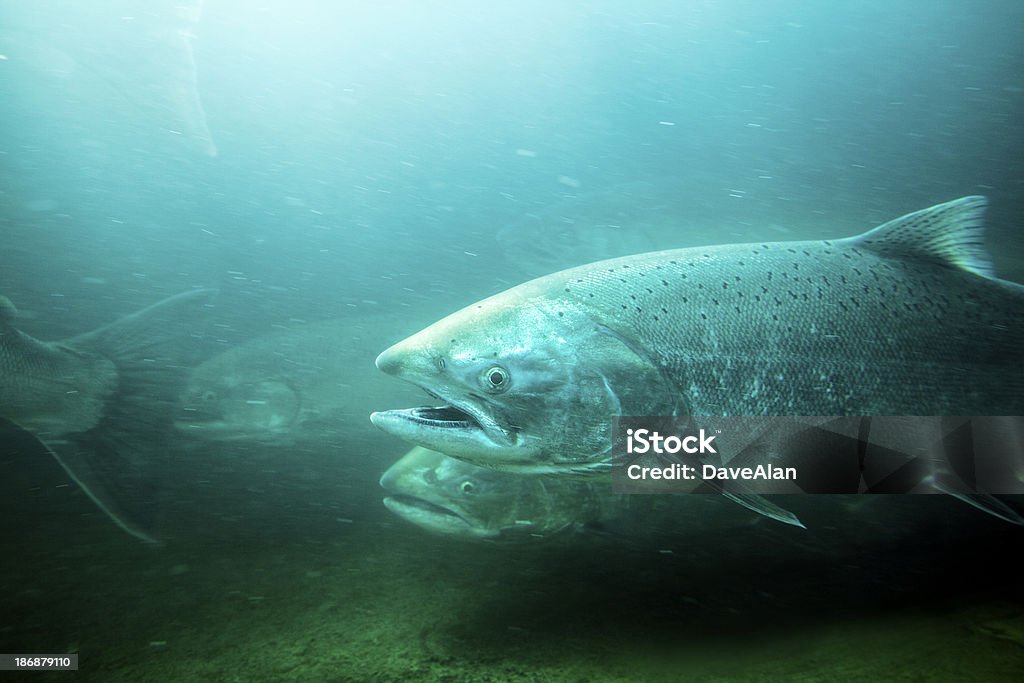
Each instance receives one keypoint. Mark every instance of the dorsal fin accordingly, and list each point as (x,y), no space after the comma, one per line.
(951,234)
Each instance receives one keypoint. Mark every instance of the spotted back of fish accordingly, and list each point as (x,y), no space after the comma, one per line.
(901,320)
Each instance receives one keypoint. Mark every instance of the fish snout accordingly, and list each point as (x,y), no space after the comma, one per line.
(389,480)
(407,359)
(390,361)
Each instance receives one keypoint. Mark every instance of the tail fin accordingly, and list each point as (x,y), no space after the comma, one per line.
(120,462)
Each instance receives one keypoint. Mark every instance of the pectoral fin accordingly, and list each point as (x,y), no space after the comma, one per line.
(763,506)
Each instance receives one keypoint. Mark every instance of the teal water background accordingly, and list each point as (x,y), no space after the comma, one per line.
(395,161)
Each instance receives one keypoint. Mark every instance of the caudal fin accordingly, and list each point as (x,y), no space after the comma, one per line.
(121,461)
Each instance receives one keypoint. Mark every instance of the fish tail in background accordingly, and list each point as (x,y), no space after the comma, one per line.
(130,62)
(165,92)
(182,92)
(120,462)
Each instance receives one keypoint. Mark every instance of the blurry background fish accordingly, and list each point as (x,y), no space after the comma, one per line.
(307,382)
(128,65)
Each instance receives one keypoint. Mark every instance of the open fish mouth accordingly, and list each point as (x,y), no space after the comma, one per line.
(217,425)
(455,417)
(194,418)
(411,506)
(443,416)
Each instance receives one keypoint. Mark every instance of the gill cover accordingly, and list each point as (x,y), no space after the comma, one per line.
(611,378)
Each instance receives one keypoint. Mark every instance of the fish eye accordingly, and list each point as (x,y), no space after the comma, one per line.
(495,378)
(467,487)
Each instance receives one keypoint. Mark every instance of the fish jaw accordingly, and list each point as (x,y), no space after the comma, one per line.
(470,424)
(440,427)
(435,518)
(416,493)
(462,425)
